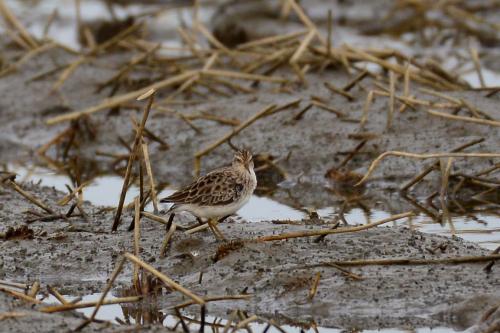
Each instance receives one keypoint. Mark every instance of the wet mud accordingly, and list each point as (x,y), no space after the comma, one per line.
(317,156)
(309,146)
(77,257)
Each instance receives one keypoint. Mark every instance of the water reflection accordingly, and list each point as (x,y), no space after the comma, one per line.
(148,313)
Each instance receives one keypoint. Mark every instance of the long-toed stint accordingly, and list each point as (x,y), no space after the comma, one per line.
(218,194)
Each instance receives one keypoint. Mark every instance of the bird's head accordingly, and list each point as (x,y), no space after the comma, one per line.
(244,159)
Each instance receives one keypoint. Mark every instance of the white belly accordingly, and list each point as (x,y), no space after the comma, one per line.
(213,211)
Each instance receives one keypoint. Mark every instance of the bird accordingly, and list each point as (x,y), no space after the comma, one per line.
(218,194)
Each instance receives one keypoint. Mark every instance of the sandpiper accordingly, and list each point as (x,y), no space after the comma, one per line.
(218,194)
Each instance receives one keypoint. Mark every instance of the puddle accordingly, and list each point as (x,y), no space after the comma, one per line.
(117,314)
(105,191)
(484,229)
(106,312)
(35,15)
(480,228)
(170,321)
(491,78)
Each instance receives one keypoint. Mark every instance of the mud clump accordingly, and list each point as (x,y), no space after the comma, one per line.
(22,232)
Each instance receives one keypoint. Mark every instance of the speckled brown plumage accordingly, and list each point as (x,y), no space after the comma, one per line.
(219,187)
(219,193)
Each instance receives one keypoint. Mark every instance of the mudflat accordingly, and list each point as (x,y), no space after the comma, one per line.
(363,108)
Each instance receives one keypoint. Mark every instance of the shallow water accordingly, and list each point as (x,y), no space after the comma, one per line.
(106,312)
(64,29)
(483,229)
(112,312)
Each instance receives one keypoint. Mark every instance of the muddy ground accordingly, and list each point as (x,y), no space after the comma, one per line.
(308,147)
(77,256)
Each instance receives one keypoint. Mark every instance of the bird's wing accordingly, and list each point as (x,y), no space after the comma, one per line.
(219,187)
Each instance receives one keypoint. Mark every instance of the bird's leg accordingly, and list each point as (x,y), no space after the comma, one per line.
(215,229)
(217,233)
(131,226)
(170,220)
(212,228)
(200,221)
